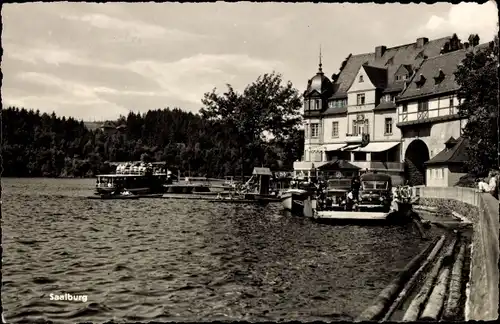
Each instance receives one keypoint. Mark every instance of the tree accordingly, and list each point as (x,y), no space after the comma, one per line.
(266,108)
(478,80)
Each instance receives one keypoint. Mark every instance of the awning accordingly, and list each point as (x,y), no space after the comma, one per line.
(334,147)
(317,149)
(377,147)
(350,147)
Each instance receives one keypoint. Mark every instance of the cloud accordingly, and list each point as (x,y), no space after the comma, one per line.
(131,28)
(465,19)
(189,78)
(49,54)
(182,82)
(66,97)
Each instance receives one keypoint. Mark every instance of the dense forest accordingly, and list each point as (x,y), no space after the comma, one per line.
(213,143)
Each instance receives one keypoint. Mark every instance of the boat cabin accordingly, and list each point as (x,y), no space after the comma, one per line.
(376,181)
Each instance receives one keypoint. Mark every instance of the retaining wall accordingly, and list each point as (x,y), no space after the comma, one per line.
(481,209)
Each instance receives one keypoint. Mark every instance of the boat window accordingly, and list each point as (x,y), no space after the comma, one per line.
(368,185)
(339,183)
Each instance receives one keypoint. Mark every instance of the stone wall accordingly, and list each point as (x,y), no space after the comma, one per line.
(482,210)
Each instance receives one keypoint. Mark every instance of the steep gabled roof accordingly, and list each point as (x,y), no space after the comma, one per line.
(428,70)
(457,154)
(447,63)
(405,54)
(377,76)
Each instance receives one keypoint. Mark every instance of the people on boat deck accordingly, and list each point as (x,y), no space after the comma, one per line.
(402,206)
(355,186)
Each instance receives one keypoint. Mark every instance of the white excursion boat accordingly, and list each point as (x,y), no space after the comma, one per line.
(299,202)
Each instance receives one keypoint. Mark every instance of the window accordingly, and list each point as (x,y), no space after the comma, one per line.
(361,79)
(387,98)
(359,127)
(451,102)
(335,129)
(316,104)
(401,77)
(404,112)
(423,109)
(388,126)
(331,104)
(314,130)
(361,99)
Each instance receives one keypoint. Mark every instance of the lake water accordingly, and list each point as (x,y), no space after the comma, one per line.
(168,260)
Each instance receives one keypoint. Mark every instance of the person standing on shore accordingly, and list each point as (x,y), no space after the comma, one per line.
(490,184)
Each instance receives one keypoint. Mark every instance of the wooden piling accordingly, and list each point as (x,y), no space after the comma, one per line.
(384,299)
(436,299)
(417,303)
(413,280)
(452,309)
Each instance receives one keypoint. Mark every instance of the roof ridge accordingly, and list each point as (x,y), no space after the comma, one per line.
(445,54)
(405,45)
(374,67)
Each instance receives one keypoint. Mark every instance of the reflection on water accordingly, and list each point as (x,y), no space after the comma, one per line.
(167,260)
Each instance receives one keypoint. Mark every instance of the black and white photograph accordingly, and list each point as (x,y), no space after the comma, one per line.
(249,162)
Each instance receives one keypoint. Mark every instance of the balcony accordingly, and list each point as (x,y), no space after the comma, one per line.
(379,166)
(427,116)
(356,138)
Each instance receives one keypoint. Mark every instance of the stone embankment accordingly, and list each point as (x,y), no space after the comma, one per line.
(456,277)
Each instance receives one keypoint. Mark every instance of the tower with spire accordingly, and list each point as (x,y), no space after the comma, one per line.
(319,88)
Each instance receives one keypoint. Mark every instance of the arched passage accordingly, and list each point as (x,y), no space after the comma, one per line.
(416,155)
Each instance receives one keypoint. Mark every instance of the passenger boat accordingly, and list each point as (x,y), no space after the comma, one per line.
(372,203)
(118,197)
(136,178)
(298,198)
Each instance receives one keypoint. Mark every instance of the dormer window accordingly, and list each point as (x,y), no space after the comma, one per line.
(420,81)
(401,77)
(361,79)
(316,104)
(420,55)
(439,77)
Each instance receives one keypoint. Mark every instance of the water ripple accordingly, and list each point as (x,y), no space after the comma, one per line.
(166,260)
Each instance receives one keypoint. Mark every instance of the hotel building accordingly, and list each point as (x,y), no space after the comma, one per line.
(390,110)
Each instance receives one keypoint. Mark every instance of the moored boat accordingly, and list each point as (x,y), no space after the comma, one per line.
(371,202)
(113,197)
(136,178)
(293,200)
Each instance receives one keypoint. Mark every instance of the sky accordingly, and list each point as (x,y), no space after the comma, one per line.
(98,61)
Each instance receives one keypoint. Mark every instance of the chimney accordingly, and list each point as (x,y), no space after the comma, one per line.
(422,41)
(379,51)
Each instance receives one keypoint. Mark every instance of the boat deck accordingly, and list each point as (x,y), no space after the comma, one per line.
(346,215)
